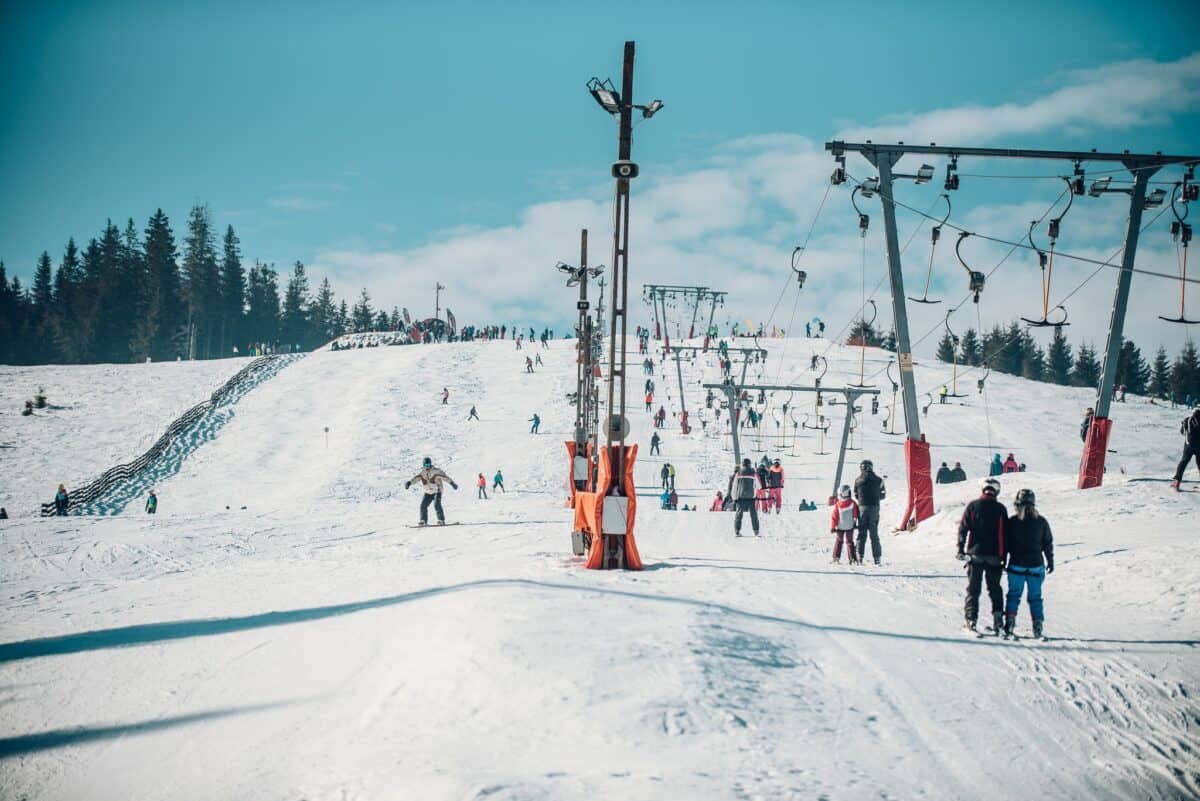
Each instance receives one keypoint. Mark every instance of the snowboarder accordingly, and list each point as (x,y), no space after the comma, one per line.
(472,414)
(869,491)
(152,504)
(431,479)
(842,522)
(498,481)
(445,396)
(62,501)
(775,487)
(1027,540)
(981,546)
(537,421)
(943,475)
(655,440)
(481,482)
(1086,424)
(741,489)
(1190,428)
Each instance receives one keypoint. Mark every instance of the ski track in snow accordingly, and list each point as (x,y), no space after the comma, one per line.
(279,630)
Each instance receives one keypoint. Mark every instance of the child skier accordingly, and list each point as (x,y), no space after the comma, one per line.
(498,481)
(431,479)
(1026,542)
(842,523)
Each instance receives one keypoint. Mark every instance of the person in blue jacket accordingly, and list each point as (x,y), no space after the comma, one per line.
(996,468)
(152,504)
(1029,552)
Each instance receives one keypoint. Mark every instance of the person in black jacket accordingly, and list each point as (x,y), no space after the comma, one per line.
(869,490)
(1027,542)
(943,475)
(981,546)
(957,473)
(742,490)
(1190,428)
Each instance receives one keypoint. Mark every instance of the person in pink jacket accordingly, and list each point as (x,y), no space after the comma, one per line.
(718,503)
(842,523)
(1011,465)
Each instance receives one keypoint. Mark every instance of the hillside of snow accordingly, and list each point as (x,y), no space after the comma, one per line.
(282,630)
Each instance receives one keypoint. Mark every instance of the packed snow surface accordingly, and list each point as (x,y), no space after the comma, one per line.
(281,630)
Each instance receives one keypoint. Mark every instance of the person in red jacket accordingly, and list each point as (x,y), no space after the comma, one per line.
(1011,465)
(775,487)
(842,524)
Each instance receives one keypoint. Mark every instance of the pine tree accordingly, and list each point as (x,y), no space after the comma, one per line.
(993,348)
(8,320)
(1087,369)
(945,349)
(233,292)
(262,298)
(1034,364)
(863,330)
(1185,376)
(202,286)
(1132,371)
(1058,359)
(362,317)
(381,321)
(1160,374)
(888,344)
(969,348)
(294,324)
(343,320)
(41,349)
(162,330)
(323,317)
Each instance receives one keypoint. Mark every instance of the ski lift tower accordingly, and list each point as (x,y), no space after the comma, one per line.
(581,476)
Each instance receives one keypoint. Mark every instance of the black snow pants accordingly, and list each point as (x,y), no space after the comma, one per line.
(745,505)
(1189,452)
(976,573)
(436,500)
(868,523)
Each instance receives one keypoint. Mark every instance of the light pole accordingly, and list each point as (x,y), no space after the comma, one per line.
(437,301)
(616,525)
(581,473)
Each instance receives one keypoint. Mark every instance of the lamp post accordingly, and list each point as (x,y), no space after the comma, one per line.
(581,474)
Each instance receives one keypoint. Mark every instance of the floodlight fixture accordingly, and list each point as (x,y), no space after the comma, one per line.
(1099,186)
(925,174)
(595,271)
(650,110)
(1156,198)
(605,94)
(869,187)
(839,172)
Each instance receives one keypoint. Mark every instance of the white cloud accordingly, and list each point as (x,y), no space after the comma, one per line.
(1115,96)
(298,203)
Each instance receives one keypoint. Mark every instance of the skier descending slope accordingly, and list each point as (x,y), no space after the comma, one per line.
(431,479)
(1190,428)
(1028,540)
(981,546)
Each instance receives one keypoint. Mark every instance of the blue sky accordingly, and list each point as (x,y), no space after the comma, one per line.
(389,144)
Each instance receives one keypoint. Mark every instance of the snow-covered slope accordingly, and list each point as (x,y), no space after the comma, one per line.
(307,642)
(96,416)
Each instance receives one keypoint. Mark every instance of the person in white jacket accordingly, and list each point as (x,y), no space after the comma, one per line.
(431,479)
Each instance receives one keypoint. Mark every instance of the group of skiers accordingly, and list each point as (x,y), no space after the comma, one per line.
(497,483)
(999,467)
(955,475)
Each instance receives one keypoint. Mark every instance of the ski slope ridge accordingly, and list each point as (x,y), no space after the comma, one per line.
(278,630)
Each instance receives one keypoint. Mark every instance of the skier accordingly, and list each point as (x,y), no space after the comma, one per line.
(528,365)
(537,421)
(1190,428)
(498,481)
(61,501)
(674,500)
(472,415)
(943,475)
(4,512)
(481,482)
(665,474)
(981,546)
(537,359)
(775,487)
(655,440)
(996,468)
(152,504)
(671,475)
(843,520)
(958,474)
(869,491)
(649,401)
(1028,539)
(1086,424)
(741,489)
(942,393)
(1011,465)
(660,419)
(718,503)
(445,396)
(431,479)
(666,499)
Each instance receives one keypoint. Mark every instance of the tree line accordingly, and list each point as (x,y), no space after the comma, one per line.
(132,295)
(1012,349)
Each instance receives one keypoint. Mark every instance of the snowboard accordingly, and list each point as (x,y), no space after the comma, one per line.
(434,525)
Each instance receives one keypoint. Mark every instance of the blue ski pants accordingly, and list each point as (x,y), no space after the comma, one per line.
(1018,579)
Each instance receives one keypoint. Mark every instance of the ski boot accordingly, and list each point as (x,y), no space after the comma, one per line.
(1010,623)
(1037,630)
(970,628)
(997,625)
(1175,485)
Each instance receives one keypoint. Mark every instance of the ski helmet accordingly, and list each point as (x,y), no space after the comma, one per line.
(866,466)
(844,492)
(1025,497)
(989,484)
(427,462)
(746,462)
